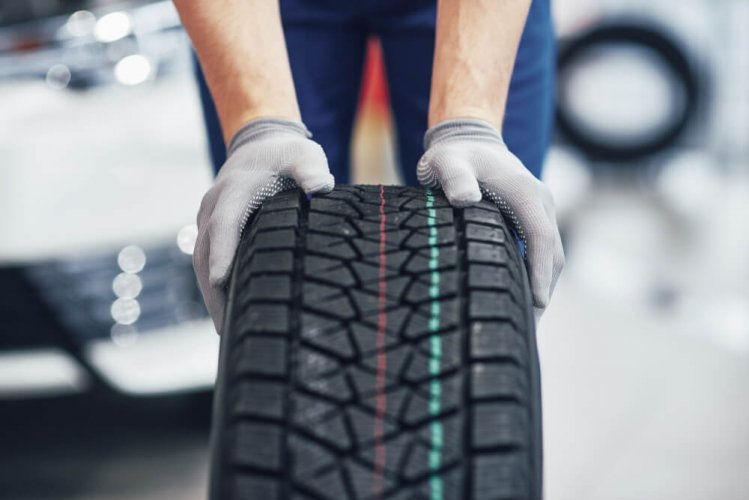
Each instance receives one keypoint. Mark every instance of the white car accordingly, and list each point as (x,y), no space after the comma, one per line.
(98,195)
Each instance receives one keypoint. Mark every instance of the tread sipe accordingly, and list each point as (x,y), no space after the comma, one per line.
(379,345)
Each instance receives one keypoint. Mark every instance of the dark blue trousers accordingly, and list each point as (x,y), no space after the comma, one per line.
(326,41)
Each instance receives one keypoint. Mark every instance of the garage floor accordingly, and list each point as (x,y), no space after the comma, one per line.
(104,449)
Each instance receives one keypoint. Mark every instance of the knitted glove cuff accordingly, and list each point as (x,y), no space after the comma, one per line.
(461,128)
(262,126)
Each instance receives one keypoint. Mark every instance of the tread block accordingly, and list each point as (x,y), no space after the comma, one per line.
(477,232)
(363,380)
(280,219)
(265,318)
(419,219)
(498,380)
(313,324)
(258,398)
(336,206)
(449,313)
(495,305)
(395,400)
(325,424)
(396,319)
(313,291)
(363,423)
(329,270)
(365,337)
(272,262)
(488,253)
(279,239)
(351,193)
(394,290)
(481,215)
(369,271)
(496,339)
(420,237)
(323,225)
(418,201)
(396,452)
(494,277)
(367,248)
(419,324)
(395,358)
(421,261)
(498,424)
(244,487)
(311,364)
(255,444)
(418,409)
(452,437)
(260,356)
(340,306)
(328,484)
(308,457)
(368,303)
(420,289)
(276,287)
(284,199)
(420,366)
(418,460)
(500,477)
(334,388)
(396,259)
(341,276)
(322,244)
(362,480)
(314,264)
(336,342)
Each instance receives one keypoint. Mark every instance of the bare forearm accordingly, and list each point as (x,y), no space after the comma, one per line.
(475,50)
(242,52)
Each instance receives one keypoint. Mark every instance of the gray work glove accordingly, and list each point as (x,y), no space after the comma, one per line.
(265,157)
(467,158)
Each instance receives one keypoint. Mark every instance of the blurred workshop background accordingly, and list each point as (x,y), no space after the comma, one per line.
(106,355)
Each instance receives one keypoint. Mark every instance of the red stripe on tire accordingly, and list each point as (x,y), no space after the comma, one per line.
(381,399)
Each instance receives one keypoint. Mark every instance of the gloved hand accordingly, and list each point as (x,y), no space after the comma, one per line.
(467,158)
(266,156)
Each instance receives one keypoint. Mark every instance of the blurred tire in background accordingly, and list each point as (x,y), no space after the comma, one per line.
(626,90)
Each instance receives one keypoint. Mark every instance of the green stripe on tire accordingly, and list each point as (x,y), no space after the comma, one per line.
(435,344)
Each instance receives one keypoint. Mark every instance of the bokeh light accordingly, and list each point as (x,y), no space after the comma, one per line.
(131,259)
(186,238)
(125,311)
(133,70)
(127,285)
(112,27)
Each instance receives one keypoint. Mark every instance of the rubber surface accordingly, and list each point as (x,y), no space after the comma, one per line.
(379,344)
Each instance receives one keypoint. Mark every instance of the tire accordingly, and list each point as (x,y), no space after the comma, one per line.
(379,344)
(663,48)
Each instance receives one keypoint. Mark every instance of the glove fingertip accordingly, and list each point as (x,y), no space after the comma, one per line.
(463,197)
(217,308)
(540,286)
(537,313)
(321,187)
(220,263)
(219,275)
(540,298)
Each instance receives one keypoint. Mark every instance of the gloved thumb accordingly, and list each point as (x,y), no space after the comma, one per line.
(458,180)
(310,170)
